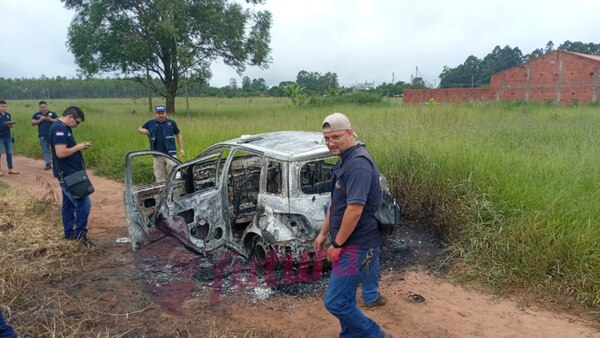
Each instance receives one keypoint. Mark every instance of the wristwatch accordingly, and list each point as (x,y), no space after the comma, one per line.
(335,244)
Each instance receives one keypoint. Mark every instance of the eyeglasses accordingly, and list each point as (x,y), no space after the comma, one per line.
(334,139)
(77,120)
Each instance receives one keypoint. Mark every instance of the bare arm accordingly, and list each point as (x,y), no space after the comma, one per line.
(349,222)
(62,151)
(180,142)
(322,237)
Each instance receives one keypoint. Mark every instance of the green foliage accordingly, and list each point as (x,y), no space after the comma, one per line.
(170,39)
(358,98)
(296,93)
(315,83)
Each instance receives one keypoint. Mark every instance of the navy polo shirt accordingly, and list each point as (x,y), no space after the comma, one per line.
(44,126)
(355,181)
(5,130)
(61,134)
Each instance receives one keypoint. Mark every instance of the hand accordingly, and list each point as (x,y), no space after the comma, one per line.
(319,243)
(181,152)
(143,131)
(333,254)
(86,145)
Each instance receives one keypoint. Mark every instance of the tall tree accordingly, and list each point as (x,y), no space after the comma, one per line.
(171,39)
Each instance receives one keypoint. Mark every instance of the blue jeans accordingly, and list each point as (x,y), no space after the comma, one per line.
(6,143)
(45,145)
(354,267)
(75,214)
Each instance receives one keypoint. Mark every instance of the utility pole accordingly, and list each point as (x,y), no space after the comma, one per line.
(150,110)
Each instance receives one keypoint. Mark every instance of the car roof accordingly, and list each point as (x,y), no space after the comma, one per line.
(283,145)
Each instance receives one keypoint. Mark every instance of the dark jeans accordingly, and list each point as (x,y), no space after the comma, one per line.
(75,213)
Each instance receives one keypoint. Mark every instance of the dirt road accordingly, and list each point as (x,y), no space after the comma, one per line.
(153,292)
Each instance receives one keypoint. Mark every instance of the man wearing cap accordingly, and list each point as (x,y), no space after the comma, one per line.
(354,232)
(162,132)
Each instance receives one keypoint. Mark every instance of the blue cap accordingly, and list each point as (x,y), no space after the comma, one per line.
(160,108)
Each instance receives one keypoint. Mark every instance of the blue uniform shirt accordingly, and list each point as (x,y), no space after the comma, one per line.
(162,135)
(44,126)
(5,130)
(355,181)
(61,134)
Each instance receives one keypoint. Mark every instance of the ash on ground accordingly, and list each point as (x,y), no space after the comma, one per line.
(408,247)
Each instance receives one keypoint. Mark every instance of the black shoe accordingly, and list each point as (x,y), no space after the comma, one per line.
(47,167)
(86,242)
(70,238)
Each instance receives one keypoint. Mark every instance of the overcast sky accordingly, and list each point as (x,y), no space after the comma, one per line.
(359,40)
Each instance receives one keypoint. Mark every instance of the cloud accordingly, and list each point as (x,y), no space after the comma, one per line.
(360,40)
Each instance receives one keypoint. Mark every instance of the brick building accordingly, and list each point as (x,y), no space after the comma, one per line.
(560,77)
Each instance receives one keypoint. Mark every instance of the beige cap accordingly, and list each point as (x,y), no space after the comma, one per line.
(335,122)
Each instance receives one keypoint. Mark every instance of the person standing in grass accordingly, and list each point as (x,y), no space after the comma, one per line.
(6,141)
(354,232)
(68,159)
(162,132)
(43,119)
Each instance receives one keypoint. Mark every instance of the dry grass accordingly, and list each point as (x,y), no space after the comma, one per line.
(34,256)
(39,278)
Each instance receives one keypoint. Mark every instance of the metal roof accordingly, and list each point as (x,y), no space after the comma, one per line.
(284,145)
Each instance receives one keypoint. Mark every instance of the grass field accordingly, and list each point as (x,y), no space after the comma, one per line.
(514,188)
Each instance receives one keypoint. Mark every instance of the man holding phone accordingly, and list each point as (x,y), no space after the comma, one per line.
(68,159)
(43,119)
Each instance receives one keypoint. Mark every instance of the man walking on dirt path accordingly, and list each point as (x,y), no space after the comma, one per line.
(43,119)
(162,132)
(68,159)
(354,232)
(6,139)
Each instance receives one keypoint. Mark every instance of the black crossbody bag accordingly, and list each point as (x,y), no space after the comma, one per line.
(78,183)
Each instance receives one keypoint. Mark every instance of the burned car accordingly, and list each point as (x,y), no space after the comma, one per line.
(257,195)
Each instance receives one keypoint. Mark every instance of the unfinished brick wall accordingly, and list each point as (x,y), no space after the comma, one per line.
(560,77)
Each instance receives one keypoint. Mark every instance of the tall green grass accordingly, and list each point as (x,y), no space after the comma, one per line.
(513,188)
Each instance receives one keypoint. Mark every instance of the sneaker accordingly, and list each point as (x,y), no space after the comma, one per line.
(385,335)
(12,171)
(86,242)
(380,301)
(47,167)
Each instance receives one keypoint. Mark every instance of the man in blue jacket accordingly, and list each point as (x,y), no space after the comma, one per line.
(162,133)
(6,141)
(43,119)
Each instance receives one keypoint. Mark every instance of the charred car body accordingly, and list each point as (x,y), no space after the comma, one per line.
(256,194)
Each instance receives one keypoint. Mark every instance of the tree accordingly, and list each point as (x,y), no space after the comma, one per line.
(171,39)
(246,83)
(314,82)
